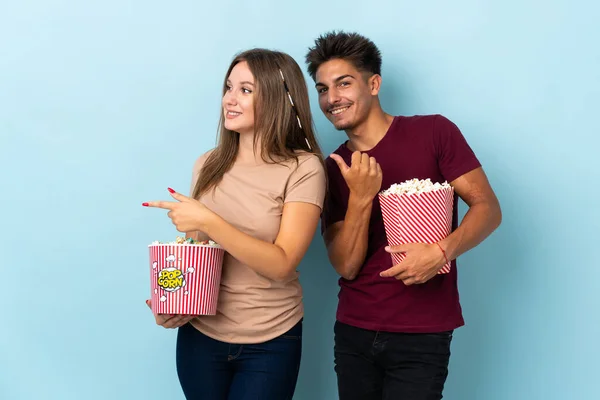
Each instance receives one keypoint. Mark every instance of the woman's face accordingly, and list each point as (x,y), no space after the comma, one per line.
(238,101)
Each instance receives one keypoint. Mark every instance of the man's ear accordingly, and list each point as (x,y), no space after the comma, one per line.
(374,84)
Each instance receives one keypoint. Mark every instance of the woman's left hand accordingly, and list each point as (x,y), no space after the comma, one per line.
(187,214)
(170,321)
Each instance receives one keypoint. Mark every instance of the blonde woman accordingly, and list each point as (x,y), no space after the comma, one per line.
(259,194)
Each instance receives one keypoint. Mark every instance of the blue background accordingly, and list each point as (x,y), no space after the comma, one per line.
(104,104)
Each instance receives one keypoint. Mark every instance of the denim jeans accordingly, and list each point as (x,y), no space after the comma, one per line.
(373,365)
(212,370)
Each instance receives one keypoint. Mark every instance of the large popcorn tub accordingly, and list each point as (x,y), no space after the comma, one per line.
(185,278)
(417,211)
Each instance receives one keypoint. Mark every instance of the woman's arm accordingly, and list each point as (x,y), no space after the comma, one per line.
(276,261)
(299,220)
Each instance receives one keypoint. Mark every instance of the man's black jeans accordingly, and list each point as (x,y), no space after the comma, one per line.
(373,365)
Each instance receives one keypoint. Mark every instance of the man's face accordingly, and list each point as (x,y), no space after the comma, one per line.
(345,94)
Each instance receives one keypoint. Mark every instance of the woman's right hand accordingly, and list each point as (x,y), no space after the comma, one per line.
(170,321)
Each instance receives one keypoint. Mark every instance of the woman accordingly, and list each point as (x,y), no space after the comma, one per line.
(258,194)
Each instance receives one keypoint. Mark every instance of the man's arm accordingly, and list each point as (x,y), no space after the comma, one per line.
(347,240)
(482,218)
(423,261)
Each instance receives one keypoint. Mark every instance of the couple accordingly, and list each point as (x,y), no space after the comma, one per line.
(260,194)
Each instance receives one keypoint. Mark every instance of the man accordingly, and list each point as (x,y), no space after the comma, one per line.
(394,322)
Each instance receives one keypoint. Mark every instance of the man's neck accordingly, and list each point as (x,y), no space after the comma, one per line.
(366,136)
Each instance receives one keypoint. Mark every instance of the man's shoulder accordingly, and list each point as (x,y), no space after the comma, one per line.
(425,120)
(342,151)
(334,175)
(425,125)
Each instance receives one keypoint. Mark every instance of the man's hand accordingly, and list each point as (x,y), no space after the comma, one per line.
(422,262)
(363,177)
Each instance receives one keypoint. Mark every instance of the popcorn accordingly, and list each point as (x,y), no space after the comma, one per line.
(417,211)
(185,276)
(182,240)
(415,186)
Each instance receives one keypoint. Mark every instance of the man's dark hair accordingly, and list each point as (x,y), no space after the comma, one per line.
(352,47)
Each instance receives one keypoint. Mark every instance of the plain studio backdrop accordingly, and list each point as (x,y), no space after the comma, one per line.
(105,104)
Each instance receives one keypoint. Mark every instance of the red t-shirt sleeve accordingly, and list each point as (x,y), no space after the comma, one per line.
(455,156)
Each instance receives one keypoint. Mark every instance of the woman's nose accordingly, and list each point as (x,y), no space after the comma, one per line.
(229,99)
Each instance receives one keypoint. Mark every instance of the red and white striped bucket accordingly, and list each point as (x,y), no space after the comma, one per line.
(185,278)
(417,218)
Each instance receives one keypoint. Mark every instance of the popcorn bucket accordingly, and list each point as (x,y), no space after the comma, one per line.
(424,217)
(185,278)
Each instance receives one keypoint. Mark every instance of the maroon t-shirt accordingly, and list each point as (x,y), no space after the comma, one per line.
(419,147)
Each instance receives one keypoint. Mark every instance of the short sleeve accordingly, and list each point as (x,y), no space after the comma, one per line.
(336,203)
(307,182)
(455,156)
(196,170)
